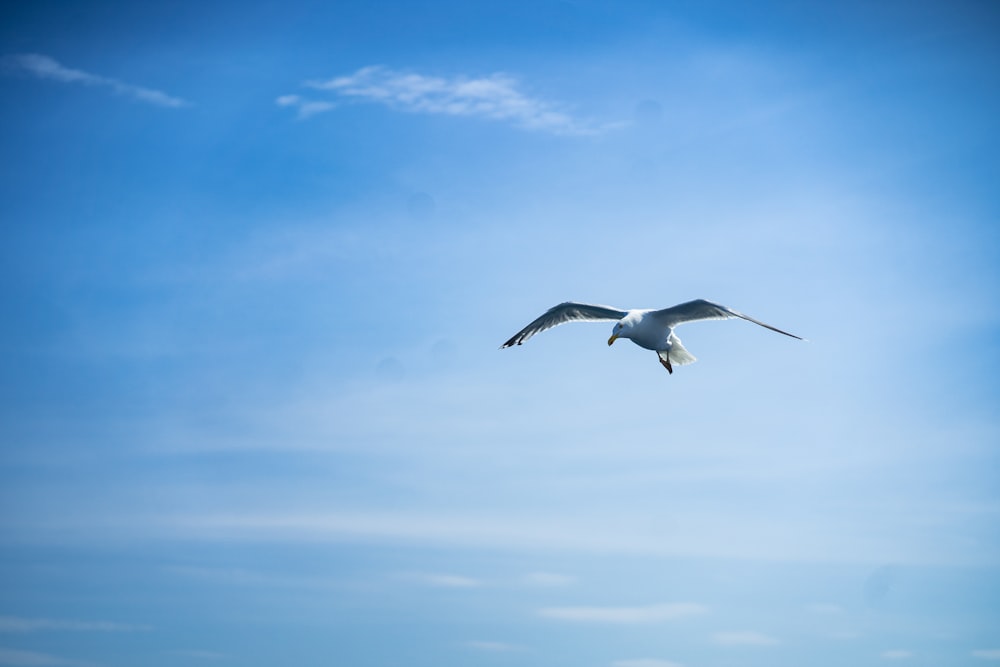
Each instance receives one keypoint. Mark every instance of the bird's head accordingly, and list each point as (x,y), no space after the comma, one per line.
(621,329)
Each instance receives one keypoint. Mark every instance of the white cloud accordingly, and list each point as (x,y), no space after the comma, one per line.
(21,625)
(45,67)
(625,615)
(496,97)
(15,658)
(896,654)
(987,654)
(744,638)
(305,107)
(645,662)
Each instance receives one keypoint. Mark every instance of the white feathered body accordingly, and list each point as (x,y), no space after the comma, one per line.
(643,329)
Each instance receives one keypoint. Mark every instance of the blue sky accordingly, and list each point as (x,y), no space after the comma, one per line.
(256,263)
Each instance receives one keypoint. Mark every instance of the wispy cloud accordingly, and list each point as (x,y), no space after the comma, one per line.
(444,580)
(23,625)
(251,578)
(305,107)
(546,579)
(744,638)
(645,662)
(15,658)
(493,647)
(199,654)
(987,654)
(624,615)
(447,580)
(496,97)
(896,654)
(45,67)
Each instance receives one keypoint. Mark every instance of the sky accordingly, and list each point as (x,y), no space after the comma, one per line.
(257,261)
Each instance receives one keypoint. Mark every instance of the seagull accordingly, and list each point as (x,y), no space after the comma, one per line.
(651,329)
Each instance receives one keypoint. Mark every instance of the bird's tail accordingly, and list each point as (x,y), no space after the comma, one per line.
(677,354)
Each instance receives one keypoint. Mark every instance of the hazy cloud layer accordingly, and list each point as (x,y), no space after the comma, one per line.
(825,608)
(694,533)
(45,67)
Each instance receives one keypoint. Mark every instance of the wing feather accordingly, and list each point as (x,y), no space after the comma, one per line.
(565,312)
(700,309)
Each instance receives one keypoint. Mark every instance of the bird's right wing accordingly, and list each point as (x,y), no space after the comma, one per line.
(700,309)
(565,312)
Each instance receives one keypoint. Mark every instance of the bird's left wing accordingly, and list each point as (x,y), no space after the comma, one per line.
(565,312)
(699,309)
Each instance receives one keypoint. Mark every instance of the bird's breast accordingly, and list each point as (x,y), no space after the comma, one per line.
(651,338)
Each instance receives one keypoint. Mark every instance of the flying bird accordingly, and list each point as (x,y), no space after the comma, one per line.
(651,329)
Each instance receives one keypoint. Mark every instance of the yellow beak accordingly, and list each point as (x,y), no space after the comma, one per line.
(613,338)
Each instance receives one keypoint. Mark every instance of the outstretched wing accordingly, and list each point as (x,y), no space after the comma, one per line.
(565,312)
(699,309)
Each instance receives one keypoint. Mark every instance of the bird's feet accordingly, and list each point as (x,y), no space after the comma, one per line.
(666,364)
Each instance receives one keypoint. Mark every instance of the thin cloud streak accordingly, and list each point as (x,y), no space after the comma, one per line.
(14,624)
(251,578)
(201,654)
(744,639)
(493,647)
(305,107)
(987,654)
(896,654)
(16,658)
(444,580)
(548,579)
(496,97)
(625,615)
(45,67)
